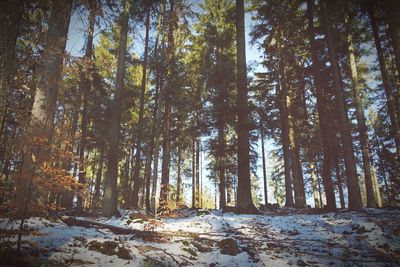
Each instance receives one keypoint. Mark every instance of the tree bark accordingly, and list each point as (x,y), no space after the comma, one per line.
(97,185)
(263,162)
(110,206)
(155,173)
(293,121)
(339,181)
(41,123)
(320,191)
(164,190)
(316,71)
(92,181)
(156,114)
(198,172)
(179,179)
(137,182)
(392,11)
(147,174)
(314,185)
(194,174)
(84,86)
(344,125)
(285,140)
(362,127)
(220,121)
(229,190)
(377,191)
(244,198)
(126,177)
(11,12)
(221,166)
(390,99)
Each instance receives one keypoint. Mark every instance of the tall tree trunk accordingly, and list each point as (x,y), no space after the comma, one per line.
(179,179)
(392,11)
(92,181)
(382,167)
(293,120)
(344,125)
(193,174)
(320,191)
(44,106)
(198,172)
(220,121)
(316,71)
(126,178)
(85,88)
(314,185)
(263,162)
(201,180)
(382,151)
(298,182)
(67,196)
(377,191)
(244,198)
(339,181)
(97,185)
(136,175)
(154,141)
(110,206)
(11,12)
(171,71)
(285,140)
(221,166)
(142,197)
(390,99)
(127,186)
(362,127)
(229,190)
(155,172)
(147,173)
(41,123)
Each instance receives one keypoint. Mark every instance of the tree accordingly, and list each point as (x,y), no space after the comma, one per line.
(110,201)
(85,87)
(10,20)
(390,98)
(351,171)
(244,198)
(316,72)
(136,178)
(263,161)
(41,124)
(362,128)
(285,138)
(392,11)
(171,75)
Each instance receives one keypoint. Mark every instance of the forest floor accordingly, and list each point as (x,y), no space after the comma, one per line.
(211,238)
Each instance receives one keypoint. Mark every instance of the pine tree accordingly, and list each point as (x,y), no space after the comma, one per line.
(244,199)
(41,124)
(351,172)
(137,181)
(110,201)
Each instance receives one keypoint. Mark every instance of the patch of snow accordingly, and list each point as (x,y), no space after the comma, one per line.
(370,238)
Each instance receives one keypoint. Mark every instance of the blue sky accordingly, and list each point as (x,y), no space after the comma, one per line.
(79,24)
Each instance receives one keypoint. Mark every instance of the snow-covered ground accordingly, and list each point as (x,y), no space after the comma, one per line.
(370,238)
